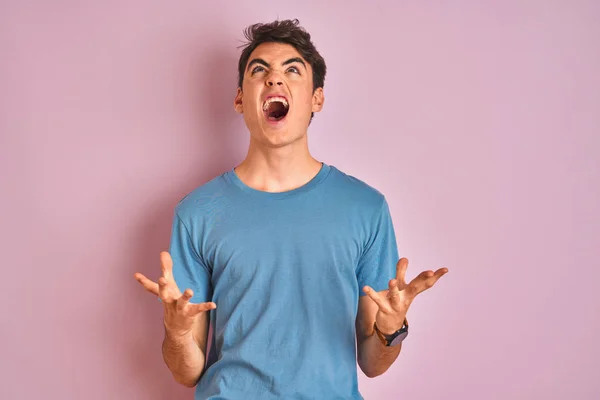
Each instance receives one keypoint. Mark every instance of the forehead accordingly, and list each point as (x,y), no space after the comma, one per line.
(275,53)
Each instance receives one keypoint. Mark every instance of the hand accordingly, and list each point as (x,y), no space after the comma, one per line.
(179,312)
(393,303)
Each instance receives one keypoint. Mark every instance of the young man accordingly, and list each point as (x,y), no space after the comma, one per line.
(296,259)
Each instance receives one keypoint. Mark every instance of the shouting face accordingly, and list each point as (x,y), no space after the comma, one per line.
(277,96)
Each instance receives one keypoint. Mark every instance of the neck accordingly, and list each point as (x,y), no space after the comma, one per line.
(278,169)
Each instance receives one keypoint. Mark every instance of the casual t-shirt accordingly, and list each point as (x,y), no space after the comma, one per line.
(286,271)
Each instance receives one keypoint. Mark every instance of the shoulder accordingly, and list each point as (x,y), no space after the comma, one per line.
(203,200)
(357,190)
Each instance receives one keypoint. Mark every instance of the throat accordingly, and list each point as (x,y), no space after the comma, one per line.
(276,111)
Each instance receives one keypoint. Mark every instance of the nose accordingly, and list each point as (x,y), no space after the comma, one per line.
(274,80)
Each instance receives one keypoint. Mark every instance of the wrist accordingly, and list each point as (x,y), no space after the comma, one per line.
(386,332)
(178,335)
(394,338)
(390,328)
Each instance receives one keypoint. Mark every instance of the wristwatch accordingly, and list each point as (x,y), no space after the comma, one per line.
(395,338)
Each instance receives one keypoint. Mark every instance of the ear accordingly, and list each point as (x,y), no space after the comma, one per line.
(318,99)
(237,102)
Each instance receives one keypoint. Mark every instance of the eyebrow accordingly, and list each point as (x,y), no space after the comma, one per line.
(293,60)
(266,64)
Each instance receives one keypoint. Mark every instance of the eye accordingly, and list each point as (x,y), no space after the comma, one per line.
(257,69)
(294,70)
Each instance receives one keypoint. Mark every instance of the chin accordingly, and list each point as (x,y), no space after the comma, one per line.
(280,133)
(278,137)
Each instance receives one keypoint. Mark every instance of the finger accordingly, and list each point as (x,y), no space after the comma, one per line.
(426,279)
(438,274)
(150,286)
(184,299)
(419,283)
(394,291)
(375,296)
(163,290)
(393,287)
(435,276)
(196,309)
(401,272)
(166,265)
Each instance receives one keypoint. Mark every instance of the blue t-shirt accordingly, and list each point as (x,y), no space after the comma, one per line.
(286,271)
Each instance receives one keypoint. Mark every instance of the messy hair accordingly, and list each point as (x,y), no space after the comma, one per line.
(288,32)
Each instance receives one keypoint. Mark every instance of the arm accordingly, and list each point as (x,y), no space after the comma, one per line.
(186,325)
(185,355)
(387,309)
(373,357)
(375,269)
(184,345)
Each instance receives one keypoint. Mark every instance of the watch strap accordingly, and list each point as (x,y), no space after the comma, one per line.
(387,340)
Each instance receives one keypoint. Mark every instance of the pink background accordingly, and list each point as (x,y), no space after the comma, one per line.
(480,121)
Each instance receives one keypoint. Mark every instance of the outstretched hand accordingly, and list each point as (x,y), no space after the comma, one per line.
(179,312)
(394,302)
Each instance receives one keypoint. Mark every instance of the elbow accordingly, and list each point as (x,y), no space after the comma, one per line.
(189,383)
(370,375)
(371,372)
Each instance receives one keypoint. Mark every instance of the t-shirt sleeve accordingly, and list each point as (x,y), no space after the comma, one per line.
(377,264)
(189,269)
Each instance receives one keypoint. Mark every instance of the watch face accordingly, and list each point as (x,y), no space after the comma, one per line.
(398,339)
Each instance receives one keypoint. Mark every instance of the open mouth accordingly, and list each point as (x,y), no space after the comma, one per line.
(276,108)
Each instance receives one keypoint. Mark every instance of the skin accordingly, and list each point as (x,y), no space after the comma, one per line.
(278,160)
(186,324)
(278,157)
(388,310)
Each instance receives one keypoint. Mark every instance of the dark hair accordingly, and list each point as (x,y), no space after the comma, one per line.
(288,32)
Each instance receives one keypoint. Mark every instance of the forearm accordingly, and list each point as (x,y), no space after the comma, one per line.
(183,357)
(374,358)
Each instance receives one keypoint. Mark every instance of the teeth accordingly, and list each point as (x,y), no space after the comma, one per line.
(273,99)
